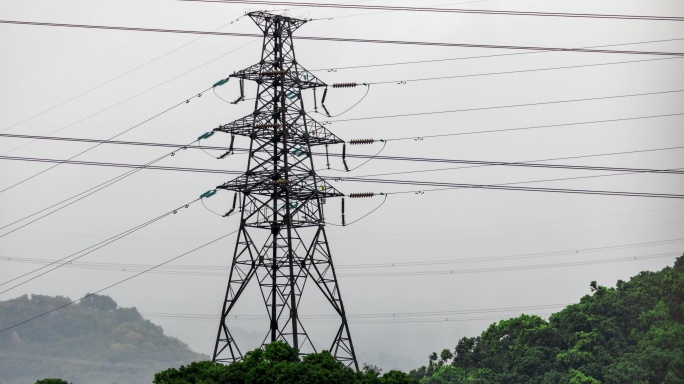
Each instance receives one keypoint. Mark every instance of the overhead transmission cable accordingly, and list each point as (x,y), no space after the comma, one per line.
(105,141)
(505,106)
(351,40)
(438,185)
(83,194)
(478,163)
(118,282)
(414,138)
(528,163)
(511,268)
(419,314)
(116,77)
(138,94)
(444,10)
(83,252)
(335,69)
(214,270)
(405,81)
(505,187)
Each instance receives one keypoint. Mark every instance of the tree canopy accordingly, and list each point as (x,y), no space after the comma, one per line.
(632,333)
(279,363)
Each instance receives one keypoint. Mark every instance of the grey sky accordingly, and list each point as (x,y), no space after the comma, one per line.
(45,66)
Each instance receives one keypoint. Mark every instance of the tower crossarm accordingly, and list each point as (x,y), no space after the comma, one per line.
(299,188)
(300,128)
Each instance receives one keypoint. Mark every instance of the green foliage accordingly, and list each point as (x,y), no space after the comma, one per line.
(633,333)
(92,342)
(279,363)
(52,381)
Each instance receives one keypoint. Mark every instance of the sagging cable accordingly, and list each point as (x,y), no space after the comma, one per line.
(350,85)
(357,196)
(205,136)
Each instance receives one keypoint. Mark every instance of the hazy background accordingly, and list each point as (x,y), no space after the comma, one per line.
(44,66)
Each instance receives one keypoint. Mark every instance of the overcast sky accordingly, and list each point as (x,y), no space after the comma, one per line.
(533,252)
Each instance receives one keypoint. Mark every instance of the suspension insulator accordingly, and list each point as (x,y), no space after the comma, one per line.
(206,135)
(361,195)
(220,82)
(361,141)
(208,194)
(272,73)
(344,85)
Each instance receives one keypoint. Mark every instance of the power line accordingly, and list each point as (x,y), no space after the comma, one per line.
(335,69)
(82,195)
(415,138)
(510,268)
(445,10)
(324,316)
(445,185)
(523,164)
(63,261)
(117,283)
(532,163)
(105,141)
(403,81)
(342,39)
(506,106)
(220,271)
(138,94)
(509,188)
(533,127)
(113,79)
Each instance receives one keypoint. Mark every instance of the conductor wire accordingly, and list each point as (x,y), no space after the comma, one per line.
(366,215)
(117,283)
(103,142)
(355,104)
(61,262)
(86,193)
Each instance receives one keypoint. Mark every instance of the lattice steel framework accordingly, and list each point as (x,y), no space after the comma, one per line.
(282,197)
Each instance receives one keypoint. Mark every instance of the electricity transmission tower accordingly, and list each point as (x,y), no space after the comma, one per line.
(281,201)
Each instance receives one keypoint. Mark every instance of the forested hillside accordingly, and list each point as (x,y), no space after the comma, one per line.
(91,342)
(633,333)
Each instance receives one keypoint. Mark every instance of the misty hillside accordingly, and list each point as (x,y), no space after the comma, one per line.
(91,342)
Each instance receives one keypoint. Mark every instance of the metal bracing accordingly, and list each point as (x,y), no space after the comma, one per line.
(282,201)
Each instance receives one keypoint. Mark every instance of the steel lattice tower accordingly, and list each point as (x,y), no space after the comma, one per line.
(281,199)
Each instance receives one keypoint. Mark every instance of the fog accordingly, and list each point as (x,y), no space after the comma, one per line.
(496,253)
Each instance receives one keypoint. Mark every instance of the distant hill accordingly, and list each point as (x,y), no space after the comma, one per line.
(91,342)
